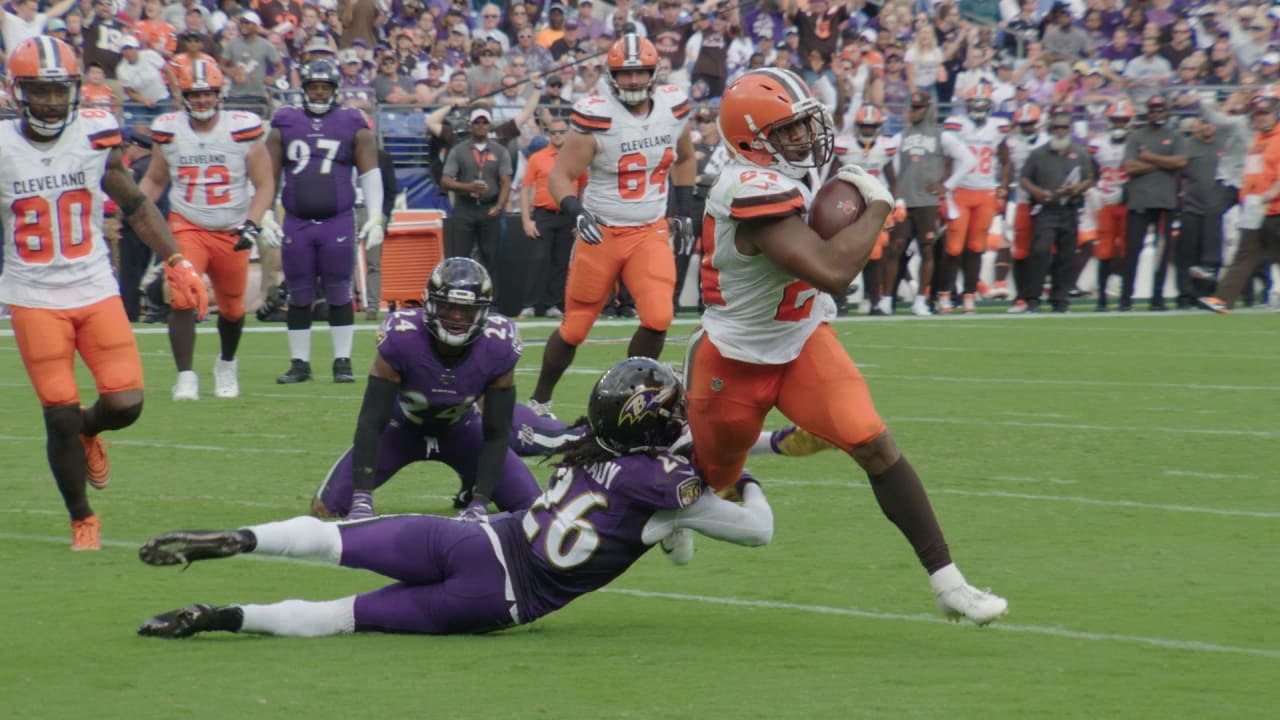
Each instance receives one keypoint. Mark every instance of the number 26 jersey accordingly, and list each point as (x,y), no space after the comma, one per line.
(210,183)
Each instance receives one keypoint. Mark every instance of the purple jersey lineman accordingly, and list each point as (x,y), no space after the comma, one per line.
(583,532)
(435,417)
(319,160)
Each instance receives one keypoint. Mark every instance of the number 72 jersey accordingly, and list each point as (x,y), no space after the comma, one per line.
(757,312)
(209,181)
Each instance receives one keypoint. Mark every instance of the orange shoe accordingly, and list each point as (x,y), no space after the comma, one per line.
(95,453)
(86,534)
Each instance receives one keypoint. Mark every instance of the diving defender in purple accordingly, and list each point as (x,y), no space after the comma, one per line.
(319,147)
(433,364)
(613,496)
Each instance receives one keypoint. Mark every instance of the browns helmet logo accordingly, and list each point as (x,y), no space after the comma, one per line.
(845,207)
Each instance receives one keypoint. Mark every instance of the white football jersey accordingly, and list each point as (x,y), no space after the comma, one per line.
(51,201)
(1020,147)
(1109,156)
(210,184)
(756,311)
(873,158)
(983,143)
(627,178)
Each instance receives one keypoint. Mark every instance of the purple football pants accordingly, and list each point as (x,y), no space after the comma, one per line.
(450,579)
(324,249)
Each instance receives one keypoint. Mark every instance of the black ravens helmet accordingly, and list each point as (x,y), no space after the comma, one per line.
(319,71)
(456,301)
(637,405)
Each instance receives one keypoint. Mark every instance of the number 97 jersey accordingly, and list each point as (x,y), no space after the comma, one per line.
(209,182)
(319,160)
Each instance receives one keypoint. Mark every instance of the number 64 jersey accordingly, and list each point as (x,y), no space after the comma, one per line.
(756,311)
(51,203)
(209,182)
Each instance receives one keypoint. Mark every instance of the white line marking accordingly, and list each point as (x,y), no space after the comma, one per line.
(1210,475)
(175,446)
(1148,429)
(1189,645)
(998,381)
(1044,498)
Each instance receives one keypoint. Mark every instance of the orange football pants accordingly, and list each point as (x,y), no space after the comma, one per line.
(1111,229)
(212,252)
(641,257)
(49,339)
(976,208)
(822,391)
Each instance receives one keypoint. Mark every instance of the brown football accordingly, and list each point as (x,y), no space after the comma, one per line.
(836,205)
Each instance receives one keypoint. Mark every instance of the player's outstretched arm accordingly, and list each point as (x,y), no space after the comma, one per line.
(499,404)
(275,151)
(750,523)
(375,412)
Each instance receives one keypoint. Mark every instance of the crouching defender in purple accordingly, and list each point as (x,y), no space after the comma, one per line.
(432,366)
(615,493)
(317,147)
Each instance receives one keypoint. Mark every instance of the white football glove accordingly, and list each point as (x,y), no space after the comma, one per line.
(270,234)
(372,232)
(871,187)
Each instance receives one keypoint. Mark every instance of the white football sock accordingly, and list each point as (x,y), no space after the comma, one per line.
(301,537)
(764,444)
(300,345)
(301,618)
(343,337)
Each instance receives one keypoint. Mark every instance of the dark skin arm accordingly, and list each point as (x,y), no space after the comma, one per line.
(144,218)
(497,438)
(829,266)
(275,149)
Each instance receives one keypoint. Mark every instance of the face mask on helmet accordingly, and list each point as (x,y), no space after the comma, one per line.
(631,95)
(637,406)
(868,133)
(319,107)
(457,301)
(804,140)
(205,111)
(978,110)
(48,106)
(1027,129)
(1119,129)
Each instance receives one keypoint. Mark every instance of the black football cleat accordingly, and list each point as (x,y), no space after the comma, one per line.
(192,619)
(187,546)
(299,372)
(342,371)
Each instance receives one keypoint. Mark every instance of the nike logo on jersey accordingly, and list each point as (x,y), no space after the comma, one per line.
(342,238)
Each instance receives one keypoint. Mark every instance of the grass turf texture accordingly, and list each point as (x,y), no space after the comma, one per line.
(1114,477)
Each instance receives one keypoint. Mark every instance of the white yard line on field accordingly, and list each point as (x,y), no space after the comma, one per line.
(170,445)
(1055,632)
(1146,429)
(1076,499)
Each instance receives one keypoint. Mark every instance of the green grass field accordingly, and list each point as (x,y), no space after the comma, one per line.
(1115,477)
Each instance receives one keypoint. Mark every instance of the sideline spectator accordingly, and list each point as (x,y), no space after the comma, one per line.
(1153,156)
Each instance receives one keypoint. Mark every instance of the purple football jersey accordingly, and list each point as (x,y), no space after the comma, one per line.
(319,160)
(433,394)
(585,529)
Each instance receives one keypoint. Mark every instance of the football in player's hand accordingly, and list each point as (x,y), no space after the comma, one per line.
(835,206)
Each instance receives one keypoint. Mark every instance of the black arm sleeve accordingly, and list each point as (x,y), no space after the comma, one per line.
(387,168)
(499,404)
(375,413)
(684,200)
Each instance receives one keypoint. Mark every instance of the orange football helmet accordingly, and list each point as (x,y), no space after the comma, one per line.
(1121,110)
(200,75)
(632,52)
(45,65)
(868,120)
(758,115)
(978,101)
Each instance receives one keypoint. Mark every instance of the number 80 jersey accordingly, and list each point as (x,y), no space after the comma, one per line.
(51,203)
(627,178)
(757,312)
(209,182)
